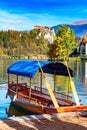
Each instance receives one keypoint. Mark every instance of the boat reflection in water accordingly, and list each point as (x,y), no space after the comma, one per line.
(85,75)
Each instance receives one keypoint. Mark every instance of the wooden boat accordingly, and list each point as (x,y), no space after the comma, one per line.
(41,99)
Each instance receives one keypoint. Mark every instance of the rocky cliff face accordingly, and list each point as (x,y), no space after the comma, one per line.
(48,34)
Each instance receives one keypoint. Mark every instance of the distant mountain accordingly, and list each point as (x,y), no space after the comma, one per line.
(80,22)
(79,29)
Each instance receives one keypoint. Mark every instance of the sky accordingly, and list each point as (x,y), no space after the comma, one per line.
(25,14)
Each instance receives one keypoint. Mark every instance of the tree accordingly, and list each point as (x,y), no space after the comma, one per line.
(68,38)
(52,52)
(64,43)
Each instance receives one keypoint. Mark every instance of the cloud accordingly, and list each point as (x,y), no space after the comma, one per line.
(9,20)
(25,21)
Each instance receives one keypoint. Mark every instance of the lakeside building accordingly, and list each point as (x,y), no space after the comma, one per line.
(41,27)
(83,47)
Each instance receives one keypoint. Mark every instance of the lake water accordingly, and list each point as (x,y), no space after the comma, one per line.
(6,107)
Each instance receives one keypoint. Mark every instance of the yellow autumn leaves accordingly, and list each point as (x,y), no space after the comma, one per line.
(63,44)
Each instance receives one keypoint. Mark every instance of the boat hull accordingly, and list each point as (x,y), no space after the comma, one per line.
(46,110)
(30,107)
(40,109)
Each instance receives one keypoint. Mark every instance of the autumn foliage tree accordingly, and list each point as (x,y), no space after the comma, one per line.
(63,44)
(16,44)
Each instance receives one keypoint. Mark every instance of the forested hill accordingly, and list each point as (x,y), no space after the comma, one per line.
(79,30)
(15,44)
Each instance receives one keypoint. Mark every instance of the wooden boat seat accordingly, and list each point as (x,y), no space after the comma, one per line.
(25,93)
(20,86)
(47,99)
(63,103)
(43,98)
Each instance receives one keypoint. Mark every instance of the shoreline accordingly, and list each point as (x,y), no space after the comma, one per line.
(61,121)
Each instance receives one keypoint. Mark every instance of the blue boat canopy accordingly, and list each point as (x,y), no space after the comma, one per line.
(28,68)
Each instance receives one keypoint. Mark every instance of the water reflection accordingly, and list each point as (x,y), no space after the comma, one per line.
(6,107)
(85,75)
(4,102)
(80,68)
